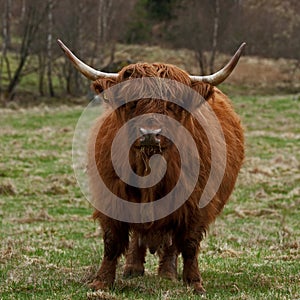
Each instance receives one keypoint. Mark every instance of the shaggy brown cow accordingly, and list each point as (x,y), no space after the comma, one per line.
(181,231)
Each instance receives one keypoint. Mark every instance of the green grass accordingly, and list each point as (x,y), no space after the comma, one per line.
(50,248)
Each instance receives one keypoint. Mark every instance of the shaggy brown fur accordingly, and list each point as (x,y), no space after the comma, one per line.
(183,230)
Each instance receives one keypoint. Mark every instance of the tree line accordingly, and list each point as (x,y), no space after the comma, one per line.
(29,29)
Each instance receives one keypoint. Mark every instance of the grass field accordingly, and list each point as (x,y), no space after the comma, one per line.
(50,248)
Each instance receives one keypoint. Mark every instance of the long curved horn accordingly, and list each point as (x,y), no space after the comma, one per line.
(221,75)
(83,68)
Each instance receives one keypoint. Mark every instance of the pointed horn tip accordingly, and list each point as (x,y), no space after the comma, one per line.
(240,50)
(222,74)
(238,54)
(61,45)
(59,42)
(242,47)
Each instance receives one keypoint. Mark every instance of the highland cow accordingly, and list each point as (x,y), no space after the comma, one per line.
(181,231)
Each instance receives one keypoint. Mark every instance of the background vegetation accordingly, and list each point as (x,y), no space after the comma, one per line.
(99,31)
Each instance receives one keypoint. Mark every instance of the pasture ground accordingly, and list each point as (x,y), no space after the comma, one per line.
(50,248)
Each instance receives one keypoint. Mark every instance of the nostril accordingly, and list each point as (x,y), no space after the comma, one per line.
(150,137)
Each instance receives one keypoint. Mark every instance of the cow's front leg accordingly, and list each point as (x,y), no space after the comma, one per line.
(191,274)
(135,258)
(115,243)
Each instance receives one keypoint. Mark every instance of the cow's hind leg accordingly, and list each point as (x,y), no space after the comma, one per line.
(168,262)
(135,258)
(115,243)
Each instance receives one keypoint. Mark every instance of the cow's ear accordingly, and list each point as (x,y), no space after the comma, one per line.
(127,73)
(101,87)
(97,87)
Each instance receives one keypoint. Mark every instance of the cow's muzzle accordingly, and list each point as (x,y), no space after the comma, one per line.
(151,137)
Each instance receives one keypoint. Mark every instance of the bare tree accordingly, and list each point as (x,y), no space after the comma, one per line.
(7,23)
(270,30)
(23,10)
(105,15)
(192,29)
(49,47)
(110,16)
(215,35)
(91,30)
(41,72)
(200,26)
(30,27)
(6,42)
(72,22)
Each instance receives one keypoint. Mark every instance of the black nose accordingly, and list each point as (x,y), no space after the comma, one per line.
(150,137)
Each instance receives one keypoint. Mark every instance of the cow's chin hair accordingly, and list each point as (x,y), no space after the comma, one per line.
(150,150)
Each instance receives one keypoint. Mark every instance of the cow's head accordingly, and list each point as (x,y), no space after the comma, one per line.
(151,128)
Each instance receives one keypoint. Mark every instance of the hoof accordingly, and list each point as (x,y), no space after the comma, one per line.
(100,285)
(132,271)
(168,270)
(171,275)
(198,288)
